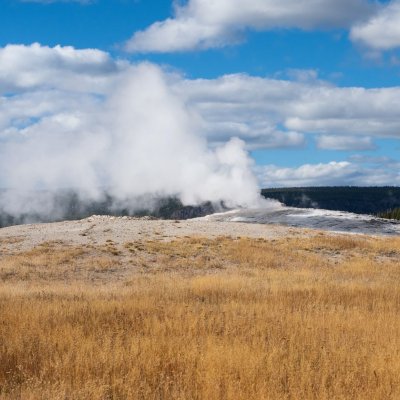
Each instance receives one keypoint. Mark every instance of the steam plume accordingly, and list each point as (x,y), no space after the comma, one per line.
(136,139)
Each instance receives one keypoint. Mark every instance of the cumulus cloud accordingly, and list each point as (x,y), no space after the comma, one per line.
(349,143)
(306,175)
(328,174)
(382,30)
(264,112)
(279,112)
(28,67)
(201,24)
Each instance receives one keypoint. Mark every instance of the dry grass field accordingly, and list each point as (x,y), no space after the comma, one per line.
(196,318)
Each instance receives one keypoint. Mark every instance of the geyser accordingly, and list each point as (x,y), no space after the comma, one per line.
(132,138)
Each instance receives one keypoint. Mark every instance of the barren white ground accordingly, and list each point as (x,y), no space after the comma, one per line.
(97,230)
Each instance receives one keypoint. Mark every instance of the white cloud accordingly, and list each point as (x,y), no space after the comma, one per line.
(261,109)
(349,143)
(35,66)
(266,113)
(201,24)
(329,174)
(376,161)
(305,175)
(381,31)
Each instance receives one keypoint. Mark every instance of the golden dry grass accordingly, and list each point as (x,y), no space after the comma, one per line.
(301,318)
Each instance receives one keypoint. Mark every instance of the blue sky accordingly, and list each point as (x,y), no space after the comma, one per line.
(319,131)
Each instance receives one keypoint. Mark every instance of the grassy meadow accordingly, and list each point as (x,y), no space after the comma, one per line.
(196,318)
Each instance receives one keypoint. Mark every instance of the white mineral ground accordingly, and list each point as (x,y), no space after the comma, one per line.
(96,230)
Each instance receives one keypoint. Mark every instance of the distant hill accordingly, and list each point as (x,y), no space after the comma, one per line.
(360,200)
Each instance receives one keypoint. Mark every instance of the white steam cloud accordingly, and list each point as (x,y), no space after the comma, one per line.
(136,138)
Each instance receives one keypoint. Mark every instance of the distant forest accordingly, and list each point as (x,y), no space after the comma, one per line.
(391,214)
(68,206)
(382,201)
